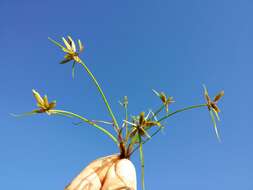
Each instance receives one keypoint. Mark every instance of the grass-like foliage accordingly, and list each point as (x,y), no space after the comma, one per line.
(130,133)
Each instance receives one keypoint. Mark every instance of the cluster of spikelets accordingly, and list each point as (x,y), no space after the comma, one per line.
(133,132)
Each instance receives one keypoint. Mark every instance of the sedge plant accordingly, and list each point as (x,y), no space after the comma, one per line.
(133,132)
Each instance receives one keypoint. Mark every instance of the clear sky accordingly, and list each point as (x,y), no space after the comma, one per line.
(132,47)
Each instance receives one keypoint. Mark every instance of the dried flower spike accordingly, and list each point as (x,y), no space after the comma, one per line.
(43,104)
(166,101)
(141,124)
(70,49)
(124,103)
(213,108)
(213,104)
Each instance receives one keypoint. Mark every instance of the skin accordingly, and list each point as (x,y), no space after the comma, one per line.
(106,173)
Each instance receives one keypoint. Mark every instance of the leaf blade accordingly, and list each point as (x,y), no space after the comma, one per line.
(215,126)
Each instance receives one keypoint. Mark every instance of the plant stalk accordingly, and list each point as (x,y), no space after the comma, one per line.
(181,110)
(165,117)
(142,162)
(65,113)
(101,93)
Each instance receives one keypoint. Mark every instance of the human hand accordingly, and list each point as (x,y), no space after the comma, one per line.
(106,173)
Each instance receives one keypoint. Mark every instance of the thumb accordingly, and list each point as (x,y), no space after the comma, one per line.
(121,175)
(92,177)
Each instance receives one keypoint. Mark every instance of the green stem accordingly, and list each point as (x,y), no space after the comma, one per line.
(65,113)
(142,162)
(126,118)
(181,110)
(165,117)
(157,112)
(102,94)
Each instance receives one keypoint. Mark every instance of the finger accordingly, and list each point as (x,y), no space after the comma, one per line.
(121,175)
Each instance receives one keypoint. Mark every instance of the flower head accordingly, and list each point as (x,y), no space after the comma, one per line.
(212,104)
(213,108)
(166,101)
(141,124)
(43,104)
(70,49)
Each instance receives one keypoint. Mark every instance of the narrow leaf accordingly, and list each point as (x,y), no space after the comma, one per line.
(73,69)
(24,114)
(65,61)
(101,121)
(215,126)
(72,43)
(121,103)
(216,114)
(146,134)
(46,101)
(61,114)
(219,96)
(38,98)
(58,44)
(80,46)
(66,44)
(156,93)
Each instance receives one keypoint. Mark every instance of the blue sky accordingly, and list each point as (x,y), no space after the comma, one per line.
(132,47)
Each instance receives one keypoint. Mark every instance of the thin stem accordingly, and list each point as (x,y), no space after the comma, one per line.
(142,162)
(157,112)
(165,117)
(126,124)
(102,94)
(65,113)
(181,110)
